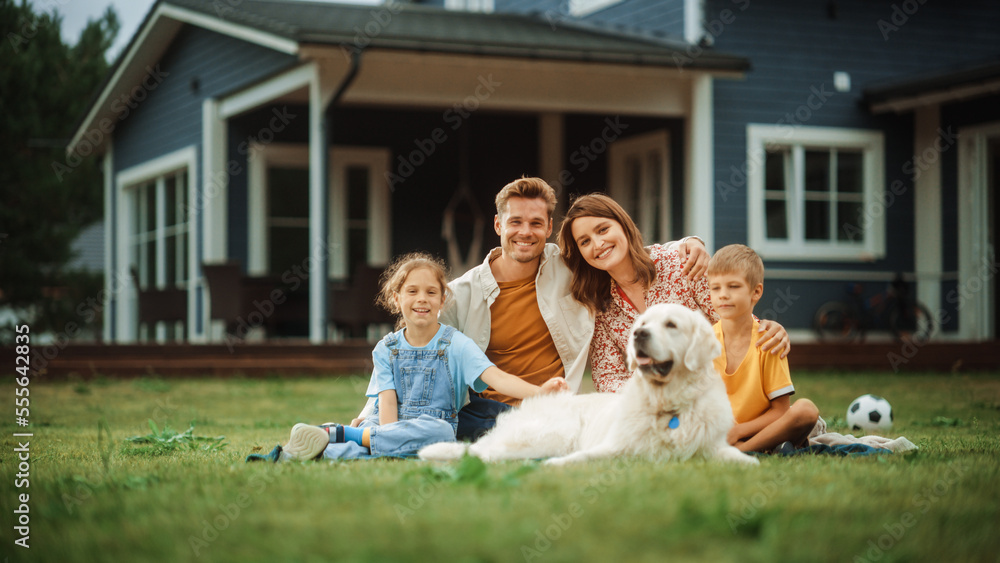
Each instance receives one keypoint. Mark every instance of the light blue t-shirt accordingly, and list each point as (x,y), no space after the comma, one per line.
(465,361)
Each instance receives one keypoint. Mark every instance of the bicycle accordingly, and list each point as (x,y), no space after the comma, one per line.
(849,321)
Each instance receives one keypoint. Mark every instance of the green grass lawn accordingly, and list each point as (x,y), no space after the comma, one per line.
(94,496)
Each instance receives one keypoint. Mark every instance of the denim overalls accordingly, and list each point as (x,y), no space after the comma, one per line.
(425,395)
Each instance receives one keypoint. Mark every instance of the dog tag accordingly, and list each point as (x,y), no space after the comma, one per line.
(674,423)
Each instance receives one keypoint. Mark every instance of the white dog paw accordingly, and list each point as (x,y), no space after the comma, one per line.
(557,461)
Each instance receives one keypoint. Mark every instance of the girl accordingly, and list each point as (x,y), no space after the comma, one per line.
(422,376)
(617,277)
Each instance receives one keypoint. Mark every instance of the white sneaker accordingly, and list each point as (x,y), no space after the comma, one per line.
(306,442)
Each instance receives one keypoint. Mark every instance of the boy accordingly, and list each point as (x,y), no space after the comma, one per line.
(758,384)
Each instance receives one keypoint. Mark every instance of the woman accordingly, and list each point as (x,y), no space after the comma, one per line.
(618,278)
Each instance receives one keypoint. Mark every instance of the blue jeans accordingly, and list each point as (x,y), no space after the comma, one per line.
(400,439)
(478,417)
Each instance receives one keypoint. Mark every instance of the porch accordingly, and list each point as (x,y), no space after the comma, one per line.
(359,153)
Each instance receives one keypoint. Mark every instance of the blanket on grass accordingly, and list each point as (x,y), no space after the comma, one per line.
(823,442)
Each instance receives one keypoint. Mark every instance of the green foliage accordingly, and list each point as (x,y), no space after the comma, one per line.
(169,440)
(46,86)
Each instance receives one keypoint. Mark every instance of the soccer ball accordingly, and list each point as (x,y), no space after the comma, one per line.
(869,412)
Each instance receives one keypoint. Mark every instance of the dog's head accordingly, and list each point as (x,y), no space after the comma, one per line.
(667,337)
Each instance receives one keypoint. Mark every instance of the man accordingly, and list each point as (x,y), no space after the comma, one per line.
(517,305)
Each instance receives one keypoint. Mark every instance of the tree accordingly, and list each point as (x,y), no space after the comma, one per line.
(46,86)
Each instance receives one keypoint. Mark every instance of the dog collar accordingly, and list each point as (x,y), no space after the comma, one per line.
(674,423)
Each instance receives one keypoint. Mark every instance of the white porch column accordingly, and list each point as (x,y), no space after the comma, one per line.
(111,285)
(927,208)
(699,197)
(209,218)
(319,191)
(550,157)
(976,260)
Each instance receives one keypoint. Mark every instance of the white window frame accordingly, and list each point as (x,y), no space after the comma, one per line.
(262,156)
(153,171)
(485,6)
(796,247)
(648,208)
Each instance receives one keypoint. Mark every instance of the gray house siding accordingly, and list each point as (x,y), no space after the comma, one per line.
(795,48)
(170,117)
(199,64)
(555,8)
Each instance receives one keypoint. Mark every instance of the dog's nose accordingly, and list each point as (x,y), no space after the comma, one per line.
(641,335)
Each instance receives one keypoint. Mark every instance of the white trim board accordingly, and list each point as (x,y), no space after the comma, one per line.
(225,27)
(149,44)
(112,286)
(927,227)
(975,295)
(187,157)
(699,171)
(268,91)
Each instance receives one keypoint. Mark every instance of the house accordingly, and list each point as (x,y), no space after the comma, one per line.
(845,141)
(862,144)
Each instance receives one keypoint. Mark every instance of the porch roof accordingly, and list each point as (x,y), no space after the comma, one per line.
(292,27)
(935,87)
(406,26)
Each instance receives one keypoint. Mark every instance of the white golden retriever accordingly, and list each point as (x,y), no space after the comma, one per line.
(673,408)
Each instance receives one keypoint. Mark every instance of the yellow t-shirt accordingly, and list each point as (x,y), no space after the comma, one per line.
(520,339)
(760,378)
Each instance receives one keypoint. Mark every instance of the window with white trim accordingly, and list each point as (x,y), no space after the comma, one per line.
(814,193)
(485,6)
(158,237)
(359,208)
(639,180)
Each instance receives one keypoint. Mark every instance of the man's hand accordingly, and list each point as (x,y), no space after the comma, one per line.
(357,422)
(775,338)
(554,385)
(694,257)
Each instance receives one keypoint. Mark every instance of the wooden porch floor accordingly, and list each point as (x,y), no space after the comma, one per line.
(354,357)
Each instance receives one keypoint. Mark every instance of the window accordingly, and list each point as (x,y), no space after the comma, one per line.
(158,238)
(287,218)
(814,193)
(639,180)
(279,235)
(470,5)
(360,209)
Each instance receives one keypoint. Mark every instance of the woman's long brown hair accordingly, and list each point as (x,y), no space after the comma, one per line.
(591,286)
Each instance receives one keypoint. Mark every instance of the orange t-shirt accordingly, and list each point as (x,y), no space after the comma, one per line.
(520,339)
(760,378)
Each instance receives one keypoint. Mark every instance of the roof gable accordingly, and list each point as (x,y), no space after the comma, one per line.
(287,26)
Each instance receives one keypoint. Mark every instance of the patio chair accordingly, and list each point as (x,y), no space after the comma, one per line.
(352,307)
(160,305)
